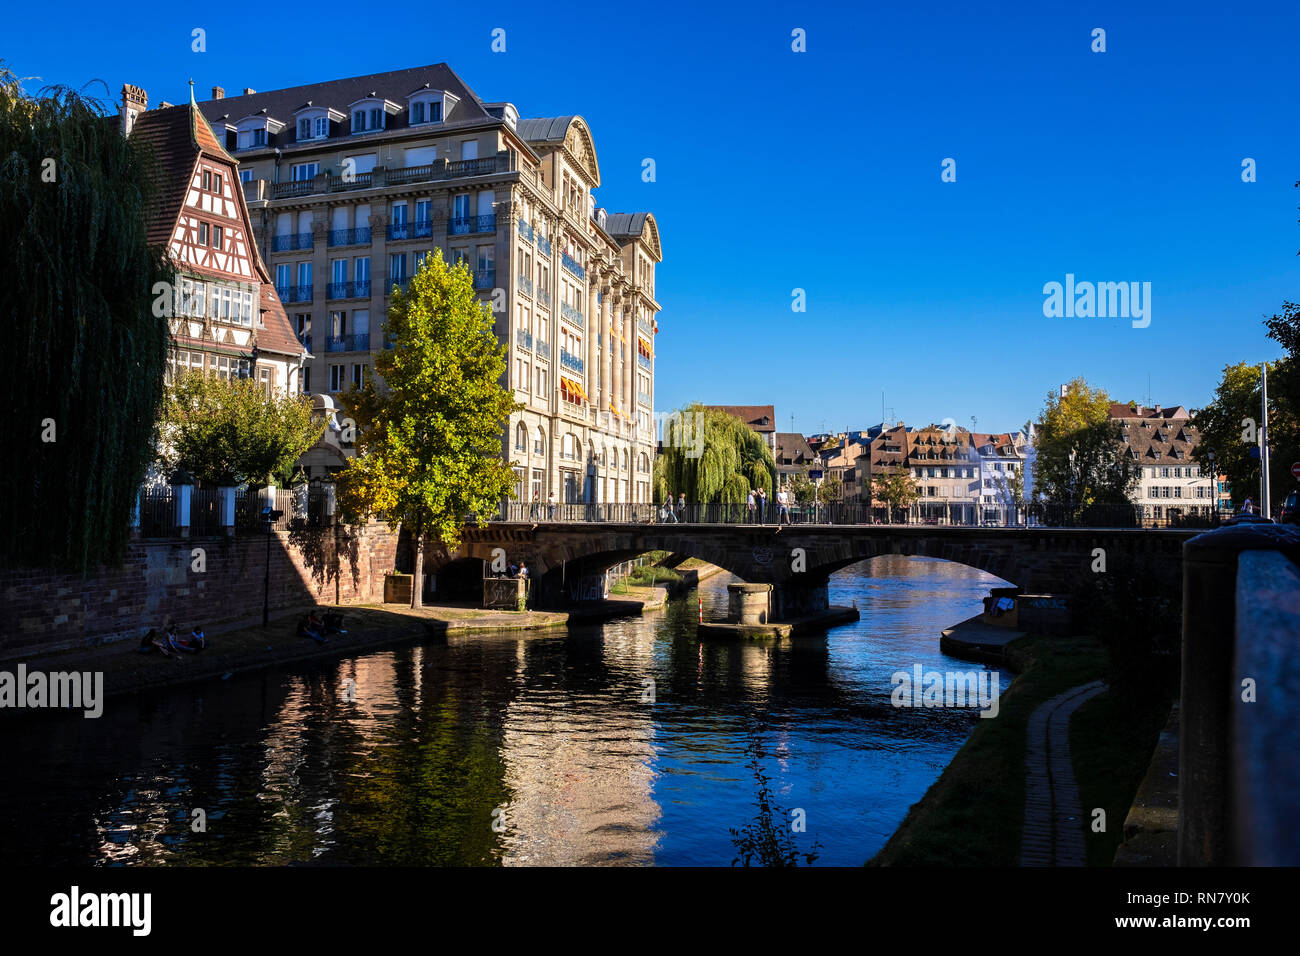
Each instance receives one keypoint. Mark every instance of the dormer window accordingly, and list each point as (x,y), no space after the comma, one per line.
(427,105)
(370,115)
(255,131)
(314,121)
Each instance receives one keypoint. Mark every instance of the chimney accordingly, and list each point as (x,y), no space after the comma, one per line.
(1157,409)
(218,93)
(134,102)
(249,91)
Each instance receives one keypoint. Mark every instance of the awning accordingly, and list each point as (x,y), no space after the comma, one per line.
(645,343)
(574,387)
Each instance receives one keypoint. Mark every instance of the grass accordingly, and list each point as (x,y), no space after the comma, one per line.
(1111,747)
(972,815)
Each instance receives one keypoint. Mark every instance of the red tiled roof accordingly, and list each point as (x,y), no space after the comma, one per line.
(751,415)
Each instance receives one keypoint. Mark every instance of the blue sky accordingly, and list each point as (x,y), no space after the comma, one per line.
(821,170)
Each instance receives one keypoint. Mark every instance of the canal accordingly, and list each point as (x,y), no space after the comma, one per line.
(630,742)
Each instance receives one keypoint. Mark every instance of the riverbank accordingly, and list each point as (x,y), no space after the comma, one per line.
(370,627)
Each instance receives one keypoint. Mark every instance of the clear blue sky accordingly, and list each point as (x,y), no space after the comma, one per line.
(820,170)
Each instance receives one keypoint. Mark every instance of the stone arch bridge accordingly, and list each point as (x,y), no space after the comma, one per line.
(567,560)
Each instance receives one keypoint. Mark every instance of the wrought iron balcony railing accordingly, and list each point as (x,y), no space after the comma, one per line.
(571,361)
(525,285)
(359,236)
(572,266)
(573,315)
(485,278)
(294,293)
(359,289)
(524,339)
(297,240)
(358,342)
(468,225)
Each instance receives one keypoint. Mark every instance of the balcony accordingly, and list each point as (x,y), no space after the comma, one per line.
(420,229)
(524,339)
(298,240)
(359,236)
(401,281)
(469,225)
(570,361)
(573,315)
(359,289)
(294,293)
(525,285)
(645,326)
(543,349)
(305,341)
(643,361)
(303,187)
(544,246)
(396,176)
(643,398)
(544,297)
(360,342)
(485,278)
(525,230)
(572,266)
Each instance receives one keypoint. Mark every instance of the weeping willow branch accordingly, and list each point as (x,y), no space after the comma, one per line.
(723,467)
(86,350)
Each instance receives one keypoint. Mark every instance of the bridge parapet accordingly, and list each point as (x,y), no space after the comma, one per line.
(1239,778)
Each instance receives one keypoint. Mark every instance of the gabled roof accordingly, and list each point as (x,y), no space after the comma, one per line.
(751,415)
(554,131)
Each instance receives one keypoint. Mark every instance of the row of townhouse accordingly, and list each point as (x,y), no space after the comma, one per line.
(350,183)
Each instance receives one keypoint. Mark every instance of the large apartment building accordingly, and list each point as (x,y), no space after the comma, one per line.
(352,182)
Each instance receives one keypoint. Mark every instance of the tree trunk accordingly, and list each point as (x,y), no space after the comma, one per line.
(417,575)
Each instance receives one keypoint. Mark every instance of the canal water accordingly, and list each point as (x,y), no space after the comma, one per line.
(627,743)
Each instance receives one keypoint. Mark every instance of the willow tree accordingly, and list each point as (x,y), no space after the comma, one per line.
(85,349)
(429,438)
(712,458)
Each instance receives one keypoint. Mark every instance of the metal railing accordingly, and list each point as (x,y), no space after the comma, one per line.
(543,349)
(544,246)
(573,315)
(358,289)
(570,361)
(294,293)
(525,285)
(525,230)
(358,342)
(524,339)
(288,190)
(571,265)
(401,281)
(642,361)
(350,237)
(468,225)
(297,240)
(544,297)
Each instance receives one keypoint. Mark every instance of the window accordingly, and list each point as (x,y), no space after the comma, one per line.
(257,137)
(397,266)
(1178,491)
(469,149)
(203,233)
(301,172)
(417,112)
(217,234)
(358,121)
(521,437)
(283,276)
(264,380)
(304,274)
(358,375)
(245,175)
(541,381)
(304,128)
(207,179)
(539,442)
(336,378)
(322,127)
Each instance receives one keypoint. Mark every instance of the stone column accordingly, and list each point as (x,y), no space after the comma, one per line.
(184,492)
(226,497)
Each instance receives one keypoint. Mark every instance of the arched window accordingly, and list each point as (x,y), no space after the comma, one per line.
(521,437)
(539,441)
(566,446)
(626,466)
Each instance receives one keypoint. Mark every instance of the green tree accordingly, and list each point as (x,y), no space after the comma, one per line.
(86,350)
(712,457)
(804,489)
(226,432)
(429,442)
(1081,460)
(896,489)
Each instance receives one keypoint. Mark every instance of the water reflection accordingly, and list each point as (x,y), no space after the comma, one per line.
(619,744)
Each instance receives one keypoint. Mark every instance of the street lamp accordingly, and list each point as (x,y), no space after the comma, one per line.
(1214,487)
(270,516)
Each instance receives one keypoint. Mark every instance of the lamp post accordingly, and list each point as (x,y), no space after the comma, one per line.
(1214,487)
(270,516)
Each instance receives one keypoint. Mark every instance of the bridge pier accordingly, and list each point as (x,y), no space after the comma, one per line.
(800,596)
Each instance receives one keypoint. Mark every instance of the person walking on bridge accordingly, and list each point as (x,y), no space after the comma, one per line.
(749,507)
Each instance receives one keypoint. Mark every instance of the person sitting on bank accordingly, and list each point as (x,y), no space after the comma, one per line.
(312,626)
(523,570)
(153,641)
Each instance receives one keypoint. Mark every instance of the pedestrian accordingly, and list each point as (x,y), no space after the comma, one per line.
(783,500)
(550,505)
(762,506)
(681,506)
(666,512)
(537,504)
(1247,507)
(749,507)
